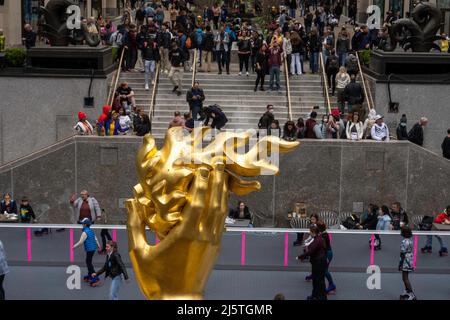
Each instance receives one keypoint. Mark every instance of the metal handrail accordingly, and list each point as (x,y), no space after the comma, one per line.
(194,67)
(325,82)
(151,112)
(116,81)
(370,95)
(363,81)
(288,90)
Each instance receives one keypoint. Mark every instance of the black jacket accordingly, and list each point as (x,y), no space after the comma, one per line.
(415,135)
(402,133)
(176,57)
(266,120)
(370,223)
(234,213)
(30,39)
(190,95)
(163,39)
(399,217)
(208,41)
(354,93)
(446,147)
(113,266)
(151,51)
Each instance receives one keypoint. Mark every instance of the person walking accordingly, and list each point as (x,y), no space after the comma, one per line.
(342,46)
(406,262)
(316,251)
(113,268)
(446,145)
(342,80)
(4,269)
(208,47)
(442,218)
(177,58)
(91,244)
(354,96)
(261,67)
(329,255)
(415,135)
(151,56)
(332,68)
(384,223)
(402,133)
(222,40)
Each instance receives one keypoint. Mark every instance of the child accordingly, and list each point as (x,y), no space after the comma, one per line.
(114,268)
(406,264)
(26,211)
(91,244)
(384,223)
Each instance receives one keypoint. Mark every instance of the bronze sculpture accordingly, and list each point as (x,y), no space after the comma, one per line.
(56,30)
(417,33)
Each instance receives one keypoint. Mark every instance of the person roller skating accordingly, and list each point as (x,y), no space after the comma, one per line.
(91,244)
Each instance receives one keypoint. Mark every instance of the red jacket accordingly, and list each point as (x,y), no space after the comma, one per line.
(441,218)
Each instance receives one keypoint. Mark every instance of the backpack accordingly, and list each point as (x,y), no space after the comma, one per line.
(188,42)
(199,39)
(426,224)
(350,222)
(334,63)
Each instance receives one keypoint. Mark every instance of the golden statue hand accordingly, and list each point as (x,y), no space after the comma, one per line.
(190,248)
(182,195)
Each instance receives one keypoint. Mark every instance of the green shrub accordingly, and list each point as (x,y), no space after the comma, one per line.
(15,57)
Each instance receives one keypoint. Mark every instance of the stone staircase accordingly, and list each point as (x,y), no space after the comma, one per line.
(235,96)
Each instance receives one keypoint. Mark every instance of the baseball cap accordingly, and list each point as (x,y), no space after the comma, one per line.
(86,221)
(378,117)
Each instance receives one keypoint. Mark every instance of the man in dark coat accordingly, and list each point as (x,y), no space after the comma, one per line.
(415,135)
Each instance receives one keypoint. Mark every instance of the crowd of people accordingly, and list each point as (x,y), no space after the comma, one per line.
(317,245)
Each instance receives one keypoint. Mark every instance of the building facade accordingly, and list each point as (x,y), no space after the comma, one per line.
(15,13)
(404,6)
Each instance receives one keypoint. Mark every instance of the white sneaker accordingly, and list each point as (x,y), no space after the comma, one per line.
(166,72)
(247,74)
(240,73)
(147,87)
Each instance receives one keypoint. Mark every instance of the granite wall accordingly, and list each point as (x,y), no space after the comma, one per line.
(416,100)
(336,175)
(36,112)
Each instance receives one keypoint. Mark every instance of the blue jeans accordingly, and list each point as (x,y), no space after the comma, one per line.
(342,57)
(429,242)
(275,77)
(195,112)
(314,62)
(149,69)
(327,273)
(116,283)
(292,13)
